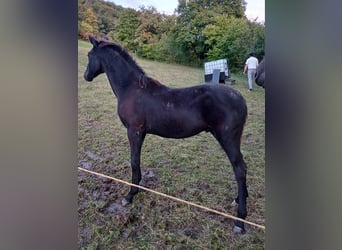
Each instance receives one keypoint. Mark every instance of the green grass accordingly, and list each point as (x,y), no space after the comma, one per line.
(195,169)
(84,44)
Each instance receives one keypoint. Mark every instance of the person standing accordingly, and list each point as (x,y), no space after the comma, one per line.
(250,67)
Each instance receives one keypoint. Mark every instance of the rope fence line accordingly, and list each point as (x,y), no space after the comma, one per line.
(174,198)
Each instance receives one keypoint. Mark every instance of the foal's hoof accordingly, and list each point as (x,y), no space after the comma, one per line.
(124,202)
(238,230)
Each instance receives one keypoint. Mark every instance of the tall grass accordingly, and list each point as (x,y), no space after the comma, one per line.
(195,169)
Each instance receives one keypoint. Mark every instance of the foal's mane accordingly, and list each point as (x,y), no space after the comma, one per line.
(122,52)
(144,80)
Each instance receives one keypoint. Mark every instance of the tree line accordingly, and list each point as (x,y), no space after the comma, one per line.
(198,31)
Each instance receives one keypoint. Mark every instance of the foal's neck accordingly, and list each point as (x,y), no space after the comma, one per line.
(125,74)
(120,85)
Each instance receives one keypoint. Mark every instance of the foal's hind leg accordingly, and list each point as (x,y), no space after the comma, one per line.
(240,171)
(136,139)
(231,145)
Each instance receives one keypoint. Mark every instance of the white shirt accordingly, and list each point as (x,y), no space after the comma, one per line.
(252,62)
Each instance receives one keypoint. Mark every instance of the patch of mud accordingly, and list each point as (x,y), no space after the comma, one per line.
(148,179)
(115,209)
(192,231)
(86,164)
(118,214)
(103,196)
(93,156)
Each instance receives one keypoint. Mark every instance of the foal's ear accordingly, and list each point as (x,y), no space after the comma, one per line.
(93,41)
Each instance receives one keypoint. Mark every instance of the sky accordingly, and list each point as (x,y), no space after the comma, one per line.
(254,8)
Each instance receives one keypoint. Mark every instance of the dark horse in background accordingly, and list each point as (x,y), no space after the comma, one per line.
(260,74)
(146,106)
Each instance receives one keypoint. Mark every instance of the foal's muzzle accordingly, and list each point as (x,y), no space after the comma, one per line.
(87,77)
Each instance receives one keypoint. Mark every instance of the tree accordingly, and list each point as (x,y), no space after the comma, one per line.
(150,21)
(125,32)
(229,8)
(200,30)
(233,38)
(258,39)
(107,14)
(194,16)
(81,15)
(165,48)
(149,32)
(89,24)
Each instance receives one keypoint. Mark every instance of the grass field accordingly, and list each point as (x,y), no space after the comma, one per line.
(195,169)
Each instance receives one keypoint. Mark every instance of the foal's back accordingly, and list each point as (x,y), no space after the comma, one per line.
(184,112)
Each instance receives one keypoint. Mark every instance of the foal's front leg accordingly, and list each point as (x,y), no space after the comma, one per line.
(136,138)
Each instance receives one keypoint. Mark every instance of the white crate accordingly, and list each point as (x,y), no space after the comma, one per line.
(220,64)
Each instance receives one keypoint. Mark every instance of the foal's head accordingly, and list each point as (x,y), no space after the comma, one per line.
(94,67)
(115,55)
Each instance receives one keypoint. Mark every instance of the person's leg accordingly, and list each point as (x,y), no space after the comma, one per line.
(251,78)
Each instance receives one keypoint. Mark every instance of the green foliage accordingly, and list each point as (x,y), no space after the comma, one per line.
(107,14)
(229,8)
(148,32)
(233,38)
(166,49)
(89,24)
(227,38)
(191,21)
(125,32)
(258,39)
(194,17)
(149,28)
(147,51)
(202,30)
